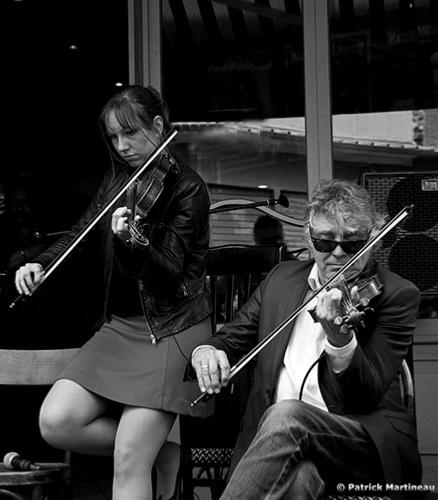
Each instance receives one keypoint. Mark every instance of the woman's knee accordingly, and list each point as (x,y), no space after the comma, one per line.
(57,424)
(66,410)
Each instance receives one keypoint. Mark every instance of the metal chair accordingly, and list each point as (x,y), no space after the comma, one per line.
(407,388)
(35,368)
(233,272)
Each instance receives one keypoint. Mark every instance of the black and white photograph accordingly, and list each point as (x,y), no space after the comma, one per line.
(219,250)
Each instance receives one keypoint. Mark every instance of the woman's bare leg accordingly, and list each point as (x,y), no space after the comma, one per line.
(140,436)
(71,418)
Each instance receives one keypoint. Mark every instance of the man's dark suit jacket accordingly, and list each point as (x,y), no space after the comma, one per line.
(367,391)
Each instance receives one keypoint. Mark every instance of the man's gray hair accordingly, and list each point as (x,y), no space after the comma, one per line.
(348,202)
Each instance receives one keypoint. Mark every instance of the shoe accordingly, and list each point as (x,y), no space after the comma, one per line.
(177,491)
(177,488)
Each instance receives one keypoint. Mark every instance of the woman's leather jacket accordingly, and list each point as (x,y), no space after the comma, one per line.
(170,270)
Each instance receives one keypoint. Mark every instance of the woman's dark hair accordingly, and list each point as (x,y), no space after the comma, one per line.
(134,107)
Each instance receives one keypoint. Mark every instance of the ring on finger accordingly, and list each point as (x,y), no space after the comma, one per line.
(338,320)
(204,368)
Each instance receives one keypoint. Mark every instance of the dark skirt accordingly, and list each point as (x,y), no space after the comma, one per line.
(121,364)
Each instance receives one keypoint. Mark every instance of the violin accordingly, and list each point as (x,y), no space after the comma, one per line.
(143,193)
(368,291)
(353,317)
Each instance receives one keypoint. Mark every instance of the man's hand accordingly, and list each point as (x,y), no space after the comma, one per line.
(328,311)
(212,369)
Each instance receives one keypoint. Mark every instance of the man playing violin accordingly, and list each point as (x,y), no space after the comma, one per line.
(121,393)
(325,408)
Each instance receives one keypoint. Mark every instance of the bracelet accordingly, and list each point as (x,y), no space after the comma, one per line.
(202,347)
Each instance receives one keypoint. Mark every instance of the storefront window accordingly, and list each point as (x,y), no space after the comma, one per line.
(384,57)
(234,81)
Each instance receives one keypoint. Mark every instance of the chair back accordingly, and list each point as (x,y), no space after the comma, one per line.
(32,367)
(21,368)
(233,273)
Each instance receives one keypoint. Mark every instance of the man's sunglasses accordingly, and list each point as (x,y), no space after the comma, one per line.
(348,246)
(327,246)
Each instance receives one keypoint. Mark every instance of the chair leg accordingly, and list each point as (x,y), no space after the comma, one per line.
(216,492)
(186,488)
(154,483)
(59,490)
(187,491)
(216,489)
(37,492)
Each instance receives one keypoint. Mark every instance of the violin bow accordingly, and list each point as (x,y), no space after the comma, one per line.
(57,261)
(271,336)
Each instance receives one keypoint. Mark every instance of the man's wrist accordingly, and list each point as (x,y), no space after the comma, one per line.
(340,350)
(340,340)
(340,357)
(201,348)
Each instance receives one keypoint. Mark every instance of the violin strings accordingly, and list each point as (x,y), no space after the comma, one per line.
(346,301)
(341,285)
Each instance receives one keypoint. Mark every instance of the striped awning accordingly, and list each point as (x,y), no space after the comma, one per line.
(208,23)
(211,23)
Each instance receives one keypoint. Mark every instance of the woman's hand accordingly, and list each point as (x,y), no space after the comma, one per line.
(212,369)
(119,223)
(27,277)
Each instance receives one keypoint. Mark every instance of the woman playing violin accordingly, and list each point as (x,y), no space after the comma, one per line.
(325,408)
(121,393)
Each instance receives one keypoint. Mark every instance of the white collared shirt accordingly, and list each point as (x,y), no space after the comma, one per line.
(306,343)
